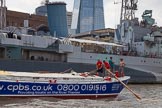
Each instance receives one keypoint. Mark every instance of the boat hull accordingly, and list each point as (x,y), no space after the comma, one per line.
(65,91)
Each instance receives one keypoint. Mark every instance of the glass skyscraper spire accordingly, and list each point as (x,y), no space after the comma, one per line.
(87,15)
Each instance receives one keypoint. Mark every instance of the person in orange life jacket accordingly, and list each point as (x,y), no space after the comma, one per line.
(121,67)
(106,66)
(99,67)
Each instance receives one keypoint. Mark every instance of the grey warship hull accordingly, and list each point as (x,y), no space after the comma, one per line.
(44,66)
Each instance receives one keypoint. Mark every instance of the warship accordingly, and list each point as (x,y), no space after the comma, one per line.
(138,43)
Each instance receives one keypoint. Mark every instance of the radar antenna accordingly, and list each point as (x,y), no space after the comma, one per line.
(128,9)
(3,14)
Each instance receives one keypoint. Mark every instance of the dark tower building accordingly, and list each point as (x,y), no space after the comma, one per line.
(57,19)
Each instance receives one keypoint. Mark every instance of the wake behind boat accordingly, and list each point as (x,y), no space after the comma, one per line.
(59,85)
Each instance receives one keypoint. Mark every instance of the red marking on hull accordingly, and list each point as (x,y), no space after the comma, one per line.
(69,97)
(87,97)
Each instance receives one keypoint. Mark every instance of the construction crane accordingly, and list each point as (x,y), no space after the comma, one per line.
(3,10)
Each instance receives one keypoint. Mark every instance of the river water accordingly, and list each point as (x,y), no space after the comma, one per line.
(151,98)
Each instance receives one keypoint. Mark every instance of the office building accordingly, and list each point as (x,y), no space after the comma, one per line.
(87,15)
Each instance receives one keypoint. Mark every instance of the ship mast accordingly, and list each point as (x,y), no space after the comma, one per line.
(128,9)
(2,14)
(44,2)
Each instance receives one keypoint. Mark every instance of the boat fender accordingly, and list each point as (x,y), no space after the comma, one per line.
(107,79)
(52,81)
(117,73)
(84,74)
(97,74)
(122,74)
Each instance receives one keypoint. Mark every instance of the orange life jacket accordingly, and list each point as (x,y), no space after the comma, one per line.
(106,64)
(99,65)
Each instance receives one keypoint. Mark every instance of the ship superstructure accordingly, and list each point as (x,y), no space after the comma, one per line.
(141,38)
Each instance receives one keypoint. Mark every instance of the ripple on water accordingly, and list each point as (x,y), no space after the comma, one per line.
(151,98)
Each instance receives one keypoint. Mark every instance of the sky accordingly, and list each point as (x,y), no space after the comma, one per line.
(111,10)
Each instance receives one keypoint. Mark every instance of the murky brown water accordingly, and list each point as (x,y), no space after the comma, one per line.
(151,98)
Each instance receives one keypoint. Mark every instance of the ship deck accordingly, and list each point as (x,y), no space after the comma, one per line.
(55,77)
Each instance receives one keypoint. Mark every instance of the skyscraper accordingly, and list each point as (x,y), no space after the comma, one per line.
(87,15)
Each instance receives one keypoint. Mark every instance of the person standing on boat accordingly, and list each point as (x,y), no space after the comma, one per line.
(99,67)
(106,67)
(121,67)
(111,64)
